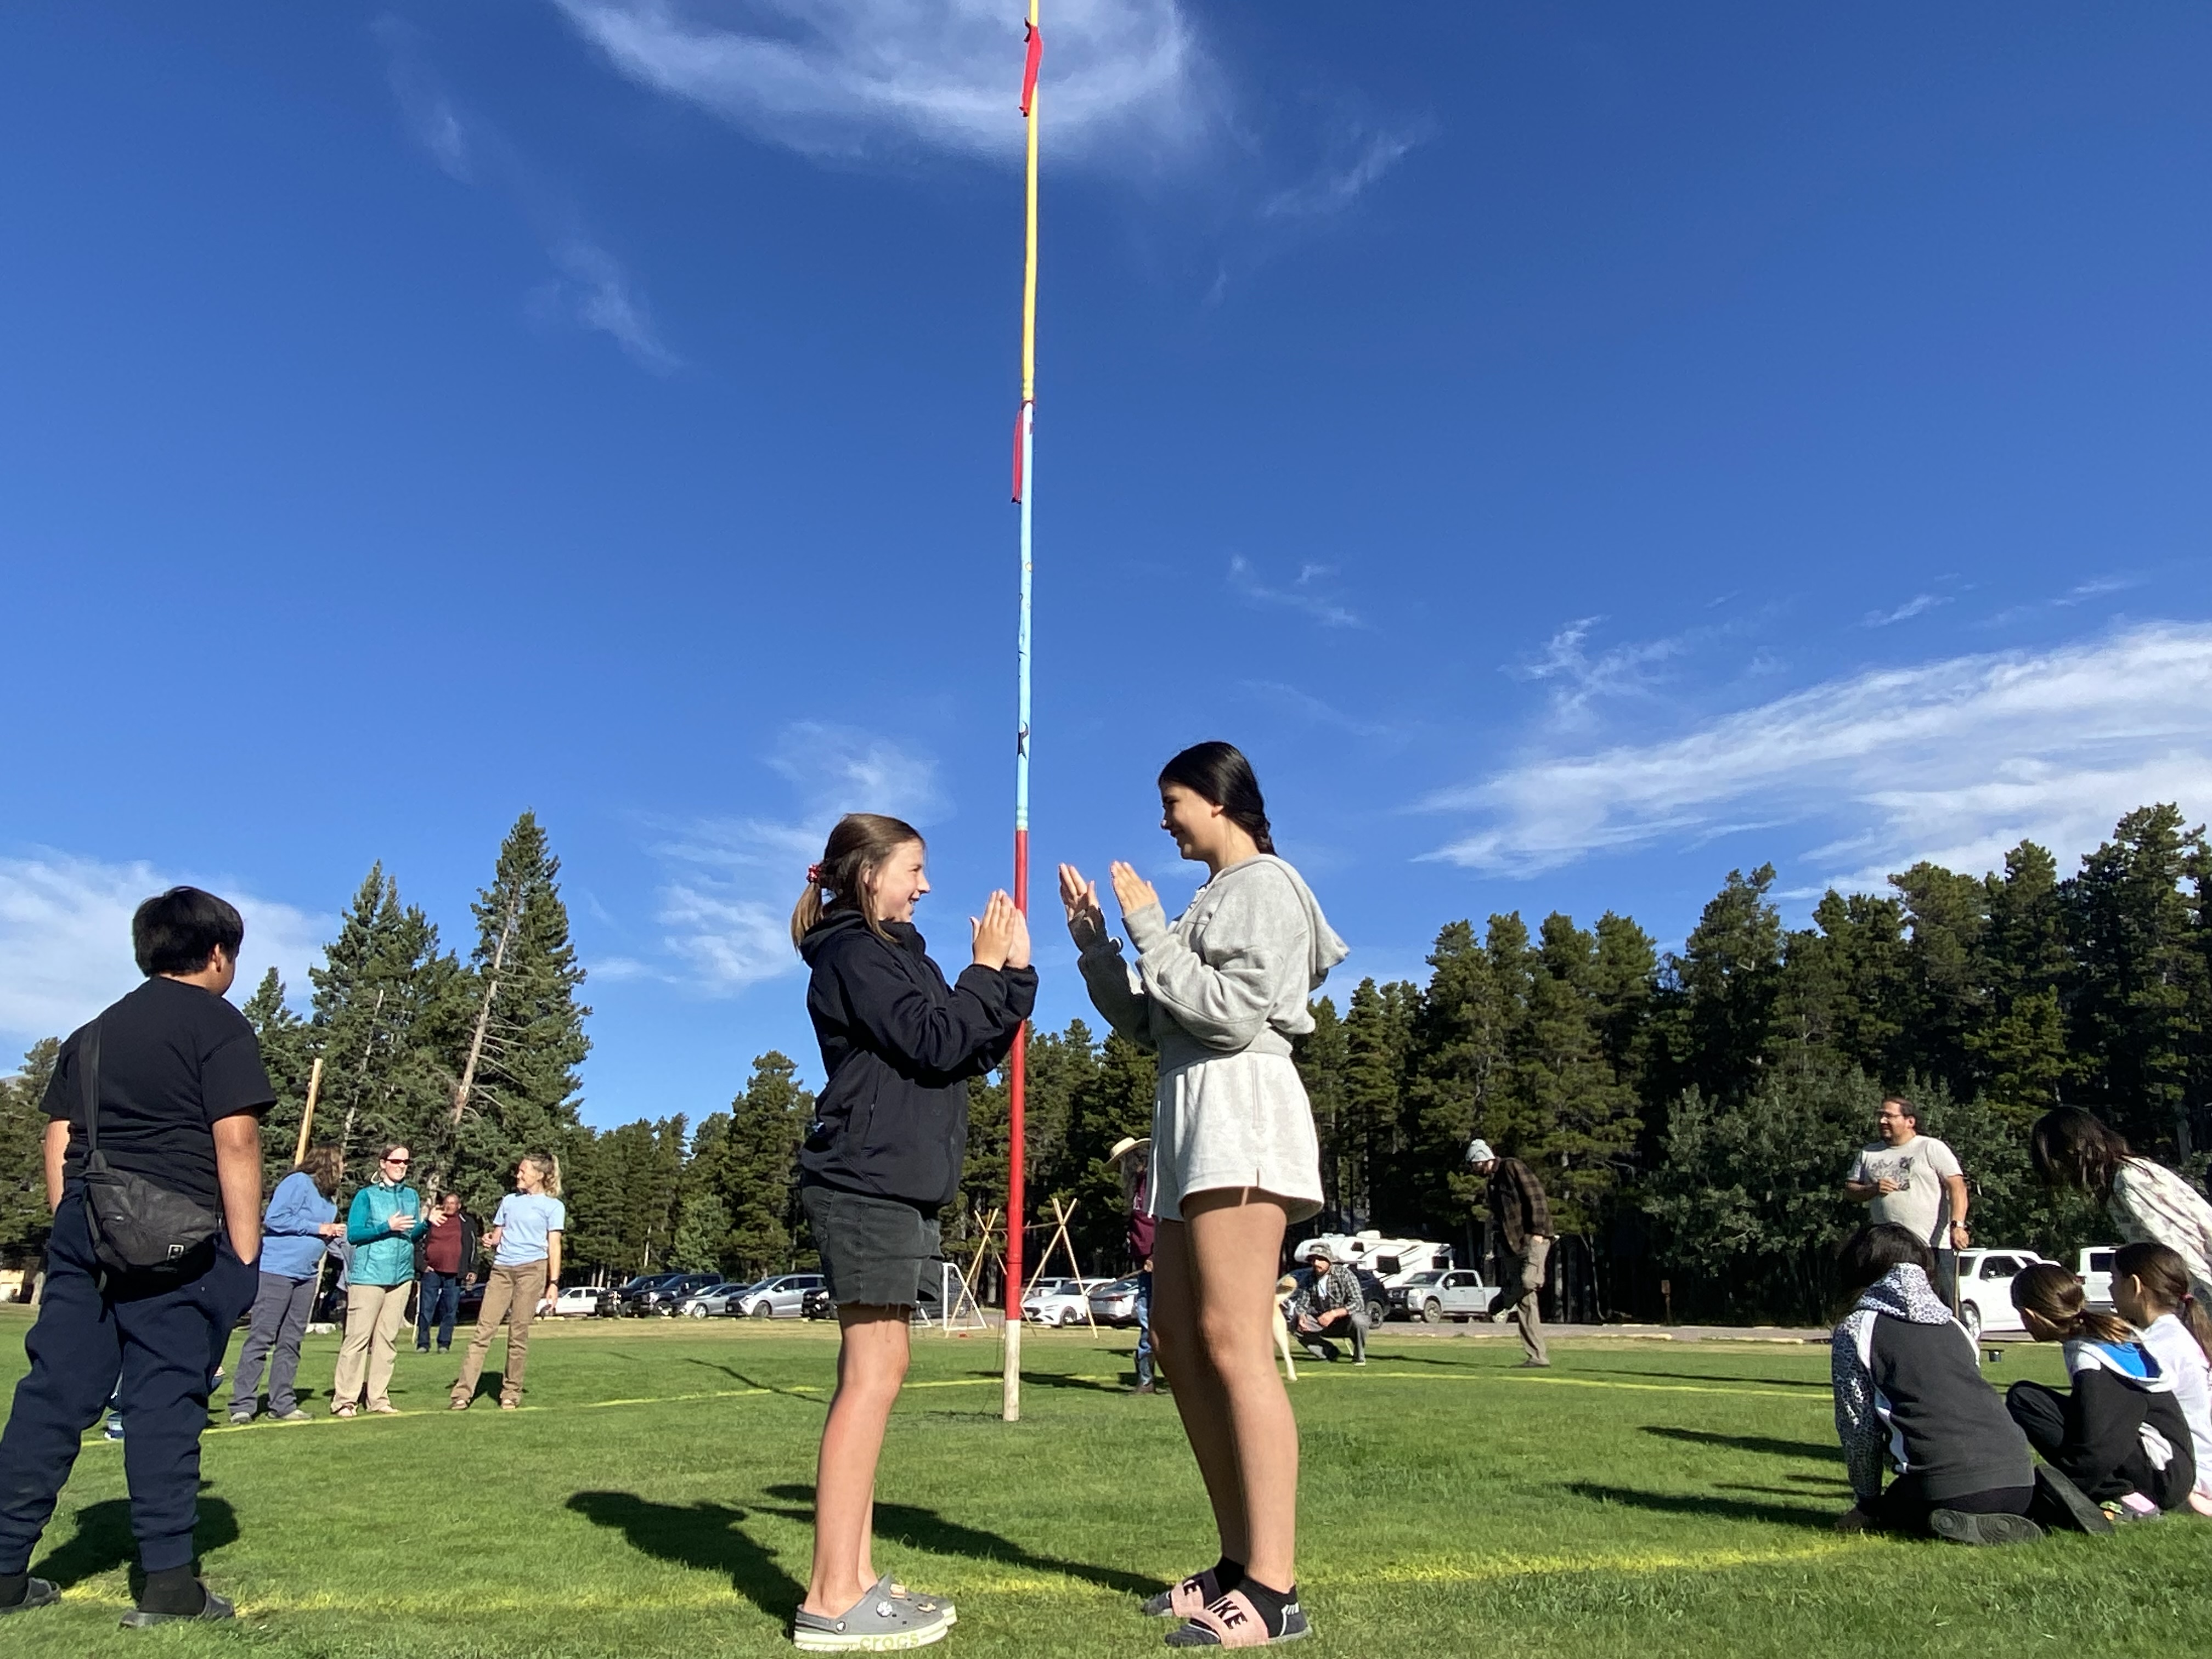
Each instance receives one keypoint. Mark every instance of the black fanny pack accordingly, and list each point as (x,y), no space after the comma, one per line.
(138,1228)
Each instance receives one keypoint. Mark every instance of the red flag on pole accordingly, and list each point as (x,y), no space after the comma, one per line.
(1030,65)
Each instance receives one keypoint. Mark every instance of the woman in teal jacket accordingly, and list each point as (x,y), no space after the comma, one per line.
(386,1220)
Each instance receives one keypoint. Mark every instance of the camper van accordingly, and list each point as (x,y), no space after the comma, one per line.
(1390,1260)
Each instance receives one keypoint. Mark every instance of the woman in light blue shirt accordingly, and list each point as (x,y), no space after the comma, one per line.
(525,1241)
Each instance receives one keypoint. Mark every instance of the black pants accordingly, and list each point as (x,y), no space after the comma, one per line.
(1905,1507)
(163,1346)
(2041,1414)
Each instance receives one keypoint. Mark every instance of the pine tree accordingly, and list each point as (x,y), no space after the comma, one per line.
(2020,1049)
(1717,1001)
(1320,1055)
(750,1162)
(285,1042)
(1371,1101)
(1116,1100)
(1948,994)
(1573,1117)
(517,1087)
(24,1218)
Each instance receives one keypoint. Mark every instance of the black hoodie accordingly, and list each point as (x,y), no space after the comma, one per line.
(899,1045)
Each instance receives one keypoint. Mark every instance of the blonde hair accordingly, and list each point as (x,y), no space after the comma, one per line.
(860,842)
(548,1166)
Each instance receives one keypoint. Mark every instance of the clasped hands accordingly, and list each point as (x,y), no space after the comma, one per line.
(1000,936)
(1086,922)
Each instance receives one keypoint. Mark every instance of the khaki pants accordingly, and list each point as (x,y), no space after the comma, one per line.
(1521,1295)
(373,1313)
(511,1293)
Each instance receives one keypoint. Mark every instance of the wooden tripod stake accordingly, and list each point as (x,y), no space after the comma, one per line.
(308,1117)
(1061,1242)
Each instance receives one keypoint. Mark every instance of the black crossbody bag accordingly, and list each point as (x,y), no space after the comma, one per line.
(137,1228)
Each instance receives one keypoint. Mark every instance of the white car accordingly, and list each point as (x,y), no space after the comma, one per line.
(1060,1301)
(2096,1274)
(578,1302)
(1434,1295)
(1985,1277)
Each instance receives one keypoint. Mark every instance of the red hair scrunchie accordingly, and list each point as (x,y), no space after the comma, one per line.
(813,875)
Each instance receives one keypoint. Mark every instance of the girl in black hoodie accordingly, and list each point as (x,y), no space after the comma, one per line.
(882,1157)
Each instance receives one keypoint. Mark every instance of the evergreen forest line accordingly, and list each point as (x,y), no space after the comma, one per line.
(1690,1112)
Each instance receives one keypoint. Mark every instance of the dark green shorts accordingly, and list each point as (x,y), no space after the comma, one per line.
(873,1249)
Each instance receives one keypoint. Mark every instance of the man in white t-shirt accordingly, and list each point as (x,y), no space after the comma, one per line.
(1915,1181)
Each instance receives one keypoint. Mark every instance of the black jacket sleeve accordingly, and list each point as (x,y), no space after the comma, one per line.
(966,1034)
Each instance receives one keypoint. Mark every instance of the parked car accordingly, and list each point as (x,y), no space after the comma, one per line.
(629,1297)
(1455,1293)
(1986,1278)
(1115,1302)
(782,1296)
(1060,1301)
(584,1302)
(713,1300)
(2096,1274)
(928,1307)
(664,1295)
(817,1305)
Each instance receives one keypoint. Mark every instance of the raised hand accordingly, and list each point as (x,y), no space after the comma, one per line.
(1131,891)
(1017,941)
(1086,922)
(993,931)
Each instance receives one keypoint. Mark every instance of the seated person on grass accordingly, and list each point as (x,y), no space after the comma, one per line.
(2151,1291)
(1909,1391)
(2118,1434)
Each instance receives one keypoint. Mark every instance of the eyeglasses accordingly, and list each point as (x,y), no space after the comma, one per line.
(398,1160)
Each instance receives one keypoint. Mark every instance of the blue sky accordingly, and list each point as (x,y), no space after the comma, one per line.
(1574,449)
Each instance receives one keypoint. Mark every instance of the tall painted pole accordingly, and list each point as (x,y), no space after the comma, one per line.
(1024,493)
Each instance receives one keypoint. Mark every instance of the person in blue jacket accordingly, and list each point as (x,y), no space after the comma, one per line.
(296,1231)
(386,1220)
(882,1156)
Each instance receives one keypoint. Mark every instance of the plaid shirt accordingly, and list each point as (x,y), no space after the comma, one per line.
(1517,1206)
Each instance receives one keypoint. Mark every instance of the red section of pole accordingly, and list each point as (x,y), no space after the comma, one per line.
(1017,1091)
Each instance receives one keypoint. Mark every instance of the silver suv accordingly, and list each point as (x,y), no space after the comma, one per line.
(779,1296)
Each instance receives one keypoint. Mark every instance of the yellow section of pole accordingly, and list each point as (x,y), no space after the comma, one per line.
(1030,248)
(308,1117)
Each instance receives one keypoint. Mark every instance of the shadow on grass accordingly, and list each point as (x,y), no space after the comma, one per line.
(1057,1380)
(927,1529)
(703,1535)
(103,1542)
(814,1396)
(1826,1452)
(1716,1509)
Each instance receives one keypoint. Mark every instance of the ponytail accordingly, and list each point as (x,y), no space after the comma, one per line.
(1219,773)
(2049,1289)
(860,842)
(548,1167)
(2164,1276)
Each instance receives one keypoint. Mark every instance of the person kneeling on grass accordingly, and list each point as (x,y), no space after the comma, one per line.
(1907,1383)
(2118,1434)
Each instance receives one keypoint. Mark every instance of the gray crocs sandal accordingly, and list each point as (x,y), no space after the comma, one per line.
(879,1622)
(925,1602)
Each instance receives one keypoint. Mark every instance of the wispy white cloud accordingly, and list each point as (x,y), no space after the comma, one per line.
(1121,79)
(1954,761)
(1360,157)
(1303,594)
(65,938)
(2096,588)
(1912,608)
(731,882)
(1306,705)
(592,289)
(1578,679)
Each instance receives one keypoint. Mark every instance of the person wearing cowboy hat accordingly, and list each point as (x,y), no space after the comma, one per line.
(1137,1152)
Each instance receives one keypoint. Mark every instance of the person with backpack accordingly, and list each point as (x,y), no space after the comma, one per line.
(881,1158)
(153,1169)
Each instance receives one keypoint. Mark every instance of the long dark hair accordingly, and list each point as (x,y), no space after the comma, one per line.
(1219,773)
(1868,1256)
(860,841)
(2072,1148)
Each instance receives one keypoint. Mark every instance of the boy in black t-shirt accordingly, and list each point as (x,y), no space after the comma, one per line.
(181,1092)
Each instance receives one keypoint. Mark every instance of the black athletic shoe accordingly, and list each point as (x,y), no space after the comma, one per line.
(217,1606)
(1963,1527)
(2061,1503)
(37,1593)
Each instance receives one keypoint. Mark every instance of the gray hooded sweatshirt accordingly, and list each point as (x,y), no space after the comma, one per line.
(1229,976)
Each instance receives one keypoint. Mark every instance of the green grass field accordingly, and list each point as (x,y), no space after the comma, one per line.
(1642,1497)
